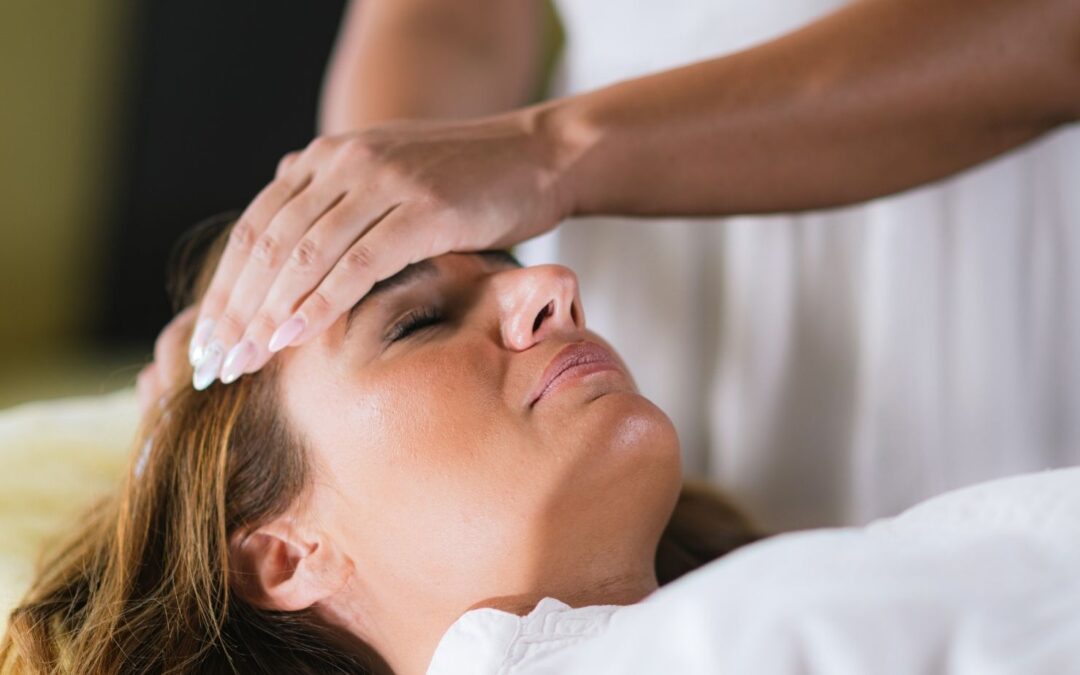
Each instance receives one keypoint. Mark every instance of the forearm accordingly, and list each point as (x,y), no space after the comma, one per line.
(879,97)
(430,59)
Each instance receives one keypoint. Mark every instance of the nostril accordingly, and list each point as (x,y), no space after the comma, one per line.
(544,313)
(574,313)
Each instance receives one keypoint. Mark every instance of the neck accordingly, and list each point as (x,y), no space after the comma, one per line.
(408,645)
(625,589)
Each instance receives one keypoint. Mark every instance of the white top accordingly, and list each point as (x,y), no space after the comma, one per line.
(493,641)
(838,366)
(982,580)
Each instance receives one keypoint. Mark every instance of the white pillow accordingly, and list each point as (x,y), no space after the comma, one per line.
(57,458)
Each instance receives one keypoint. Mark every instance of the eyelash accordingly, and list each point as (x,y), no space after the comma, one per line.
(414,321)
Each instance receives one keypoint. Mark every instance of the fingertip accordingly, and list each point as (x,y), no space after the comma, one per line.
(260,360)
(237,360)
(287,333)
(208,369)
(197,346)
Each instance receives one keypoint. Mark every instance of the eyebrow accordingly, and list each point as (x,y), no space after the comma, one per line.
(412,273)
(417,271)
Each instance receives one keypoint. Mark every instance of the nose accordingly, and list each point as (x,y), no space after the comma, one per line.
(536,302)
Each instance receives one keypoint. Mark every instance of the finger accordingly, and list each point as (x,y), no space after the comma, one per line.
(268,257)
(313,257)
(286,162)
(169,347)
(394,242)
(242,240)
(146,388)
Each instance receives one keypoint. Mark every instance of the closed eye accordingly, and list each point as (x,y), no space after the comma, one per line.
(415,320)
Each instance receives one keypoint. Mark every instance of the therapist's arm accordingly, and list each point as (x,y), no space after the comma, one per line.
(430,59)
(879,97)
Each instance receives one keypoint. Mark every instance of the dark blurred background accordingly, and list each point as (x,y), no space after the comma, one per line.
(217,92)
(125,122)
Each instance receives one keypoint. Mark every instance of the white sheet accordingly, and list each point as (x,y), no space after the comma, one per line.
(984,580)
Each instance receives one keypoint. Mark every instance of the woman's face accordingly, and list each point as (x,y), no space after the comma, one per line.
(438,474)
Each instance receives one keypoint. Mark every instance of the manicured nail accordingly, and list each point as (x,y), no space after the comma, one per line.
(237,360)
(207,370)
(198,341)
(286,333)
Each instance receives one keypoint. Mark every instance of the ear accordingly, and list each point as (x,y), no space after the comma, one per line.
(279,566)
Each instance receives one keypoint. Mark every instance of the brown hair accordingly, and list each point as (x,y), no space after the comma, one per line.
(143,582)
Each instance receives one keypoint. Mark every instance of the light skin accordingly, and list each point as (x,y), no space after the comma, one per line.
(438,488)
(878,97)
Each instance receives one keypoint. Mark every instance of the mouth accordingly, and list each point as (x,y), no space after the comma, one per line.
(574,360)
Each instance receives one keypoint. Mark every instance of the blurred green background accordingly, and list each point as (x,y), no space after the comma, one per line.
(60,69)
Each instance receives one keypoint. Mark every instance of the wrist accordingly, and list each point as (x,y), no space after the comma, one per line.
(566,142)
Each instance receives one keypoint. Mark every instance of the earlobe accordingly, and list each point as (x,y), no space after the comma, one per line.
(276,567)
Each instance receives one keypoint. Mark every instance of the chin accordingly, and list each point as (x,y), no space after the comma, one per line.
(626,472)
(637,425)
(628,435)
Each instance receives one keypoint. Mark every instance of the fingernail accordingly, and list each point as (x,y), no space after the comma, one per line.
(286,333)
(237,360)
(207,370)
(198,341)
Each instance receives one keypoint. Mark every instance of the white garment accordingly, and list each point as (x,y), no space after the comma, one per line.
(981,580)
(493,641)
(835,367)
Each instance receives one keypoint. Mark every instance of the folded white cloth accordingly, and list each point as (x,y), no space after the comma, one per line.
(490,641)
(980,580)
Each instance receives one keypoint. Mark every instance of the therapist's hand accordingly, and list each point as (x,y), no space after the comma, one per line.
(160,376)
(350,210)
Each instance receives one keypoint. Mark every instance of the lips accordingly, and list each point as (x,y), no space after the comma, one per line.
(576,358)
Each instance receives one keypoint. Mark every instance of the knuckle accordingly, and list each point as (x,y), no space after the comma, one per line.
(230,324)
(262,325)
(319,145)
(243,235)
(356,147)
(437,201)
(359,258)
(278,192)
(267,250)
(318,304)
(305,256)
(284,187)
(213,302)
(394,174)
(285,162)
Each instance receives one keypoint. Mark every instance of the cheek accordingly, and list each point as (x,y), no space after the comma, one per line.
(441,411)
(428,460)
